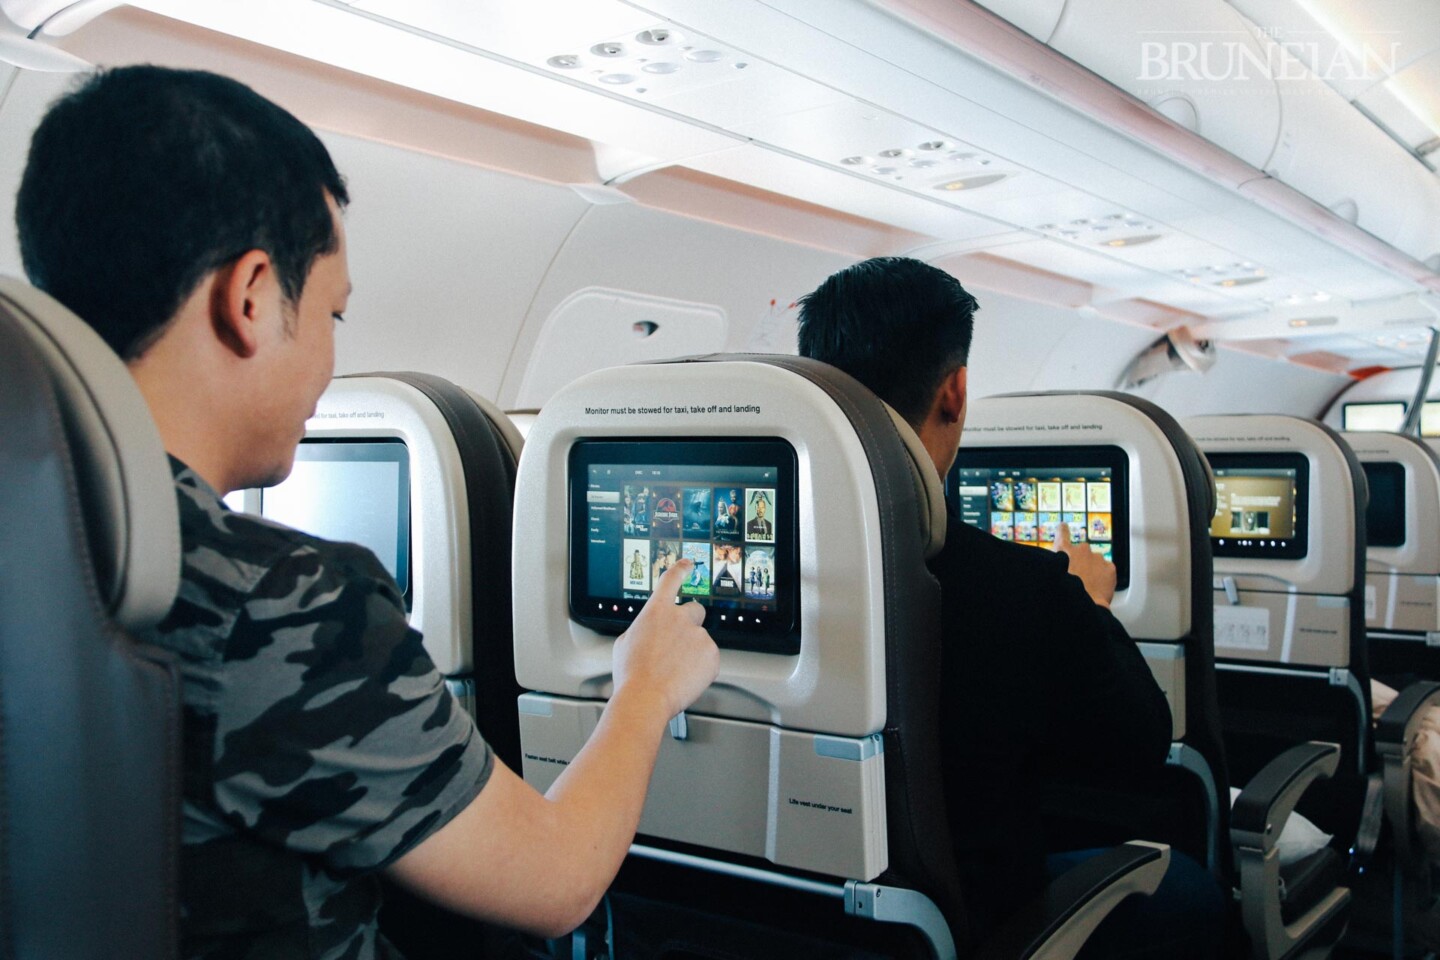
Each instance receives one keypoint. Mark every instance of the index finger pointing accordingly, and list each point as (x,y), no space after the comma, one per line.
(1062,535)
(668,586)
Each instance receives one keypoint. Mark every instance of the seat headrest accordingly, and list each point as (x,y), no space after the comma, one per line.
(126,491)
(928,486)
(502,423)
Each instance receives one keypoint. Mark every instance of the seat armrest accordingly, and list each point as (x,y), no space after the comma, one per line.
(1256,819)
(1267,801)
(1056,924)
(1390,729)
(1391,734)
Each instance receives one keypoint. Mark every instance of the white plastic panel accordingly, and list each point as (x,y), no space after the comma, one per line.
(836,684)
(1329,565)
(655,258)
(610,328)
(797,799)
(1158,603)
(364,407)
(1290,628)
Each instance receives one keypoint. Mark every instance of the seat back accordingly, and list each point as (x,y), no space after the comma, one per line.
(1402,556)
(89,720)
(423,472)
(1289,541)
(1124,475)
(816,751)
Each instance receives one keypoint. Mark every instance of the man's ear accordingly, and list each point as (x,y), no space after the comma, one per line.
(954,394)
(243,294)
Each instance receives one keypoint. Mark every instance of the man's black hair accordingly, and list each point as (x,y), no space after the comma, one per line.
(897,325)
(145,179)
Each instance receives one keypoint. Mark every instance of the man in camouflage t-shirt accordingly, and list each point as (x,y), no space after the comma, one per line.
(197,227)
(297,660)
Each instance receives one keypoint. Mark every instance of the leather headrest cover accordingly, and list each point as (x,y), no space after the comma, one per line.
(126,491)
(928,486)
(502,424)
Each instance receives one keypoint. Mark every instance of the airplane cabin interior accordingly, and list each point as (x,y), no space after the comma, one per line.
(1204,239)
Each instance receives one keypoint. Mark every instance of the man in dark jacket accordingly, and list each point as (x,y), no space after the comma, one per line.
(1039,677)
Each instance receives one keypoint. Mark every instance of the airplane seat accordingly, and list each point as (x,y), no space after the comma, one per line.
(1402,582)
(1293,675)
(1127,479)
(809,773)
(1402,558)
(422,471)
(90,752)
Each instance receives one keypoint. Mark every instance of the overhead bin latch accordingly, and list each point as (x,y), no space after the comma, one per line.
(1232,592)
(679,726)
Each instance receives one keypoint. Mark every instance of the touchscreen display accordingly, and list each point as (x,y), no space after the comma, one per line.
(1387,417)
(1024,494)
(1385,517)
(727,506)
(1260,505)
(353,491)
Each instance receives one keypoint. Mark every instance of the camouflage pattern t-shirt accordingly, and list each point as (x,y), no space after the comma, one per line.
(321,744)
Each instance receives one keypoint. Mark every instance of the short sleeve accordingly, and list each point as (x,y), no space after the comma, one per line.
(336,736)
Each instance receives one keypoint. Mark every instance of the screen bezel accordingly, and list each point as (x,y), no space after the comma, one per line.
(375,450)
(1393,467)
(1299,547)
(1105,456)
(782,634)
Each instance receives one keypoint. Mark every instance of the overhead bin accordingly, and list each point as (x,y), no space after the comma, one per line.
(1331,153)
(1211,70)
(1194,62)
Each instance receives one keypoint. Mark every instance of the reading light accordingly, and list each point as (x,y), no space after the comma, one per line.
(971,183)
(1133,241)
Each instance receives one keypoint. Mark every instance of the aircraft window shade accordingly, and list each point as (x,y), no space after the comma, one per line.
(1385,516)
(351,491)
(1387,417)
(727,505)
(1023,494)
(1261,505)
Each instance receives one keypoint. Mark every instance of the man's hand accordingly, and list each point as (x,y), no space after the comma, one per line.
(1097,573)
(543,863)
(666,653)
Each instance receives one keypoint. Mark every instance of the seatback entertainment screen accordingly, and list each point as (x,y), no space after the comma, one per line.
(1385,517)
(350,490)
(1261,505)
(1024,494)
(638,507)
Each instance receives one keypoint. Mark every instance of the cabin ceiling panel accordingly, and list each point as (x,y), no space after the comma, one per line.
(654,254)
(797,177)
(1101,270)
(1242,382)
(26,96)
(1020,344)
(442,277)
(363,42)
